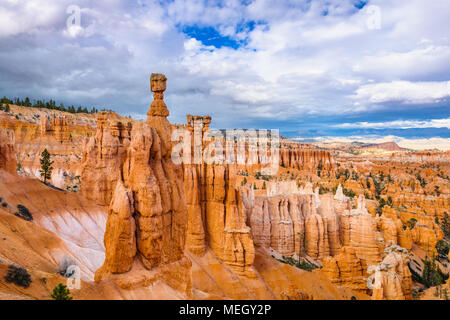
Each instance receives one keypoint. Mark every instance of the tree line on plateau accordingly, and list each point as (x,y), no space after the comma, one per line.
(44,104)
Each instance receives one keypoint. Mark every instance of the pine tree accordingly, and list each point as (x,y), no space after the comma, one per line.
(389,202)
(60,292)
(7,108)
(445,225)
(46,165)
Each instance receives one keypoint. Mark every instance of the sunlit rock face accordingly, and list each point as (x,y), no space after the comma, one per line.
(216,216)
(346,269)
(298,223)
(346,243)
(7,154)
(304,159)
(391,279)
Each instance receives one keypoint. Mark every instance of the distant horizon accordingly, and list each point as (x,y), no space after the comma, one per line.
(416,144)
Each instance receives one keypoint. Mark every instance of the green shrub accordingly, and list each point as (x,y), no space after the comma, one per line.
(431,275)
(445,225)
(411,223)
(349,193)
(301,264)
(19,276)
(442,248)
(23,213)
(60,292)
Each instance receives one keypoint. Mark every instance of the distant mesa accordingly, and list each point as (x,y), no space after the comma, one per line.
(388,146)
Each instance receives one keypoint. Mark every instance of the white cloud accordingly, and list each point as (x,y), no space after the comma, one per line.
(404,91)
(398,124)
(22,16)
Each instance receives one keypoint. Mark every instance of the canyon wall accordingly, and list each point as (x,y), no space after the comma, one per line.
(216,218)
(61,133)
(305,159)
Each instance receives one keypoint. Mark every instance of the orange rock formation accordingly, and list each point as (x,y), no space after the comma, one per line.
(7,154)
(391,279)
(147,215)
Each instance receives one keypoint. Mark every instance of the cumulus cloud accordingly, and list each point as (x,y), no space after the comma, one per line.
(404,91)
(22,16)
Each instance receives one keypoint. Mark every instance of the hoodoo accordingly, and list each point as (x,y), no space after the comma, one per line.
(147,215)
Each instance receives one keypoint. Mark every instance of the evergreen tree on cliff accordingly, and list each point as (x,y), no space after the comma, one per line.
(60,292)
(445,225)
(46,165)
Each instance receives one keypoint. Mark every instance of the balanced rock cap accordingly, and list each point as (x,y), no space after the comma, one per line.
(158,82)
(158,85)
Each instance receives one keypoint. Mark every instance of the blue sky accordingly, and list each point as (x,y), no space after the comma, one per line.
(325,69)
